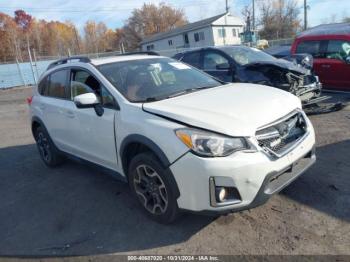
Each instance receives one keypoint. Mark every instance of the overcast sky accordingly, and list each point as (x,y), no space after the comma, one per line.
(115,12)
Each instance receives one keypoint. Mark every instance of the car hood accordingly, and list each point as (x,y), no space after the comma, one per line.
(235,109)
(280,63)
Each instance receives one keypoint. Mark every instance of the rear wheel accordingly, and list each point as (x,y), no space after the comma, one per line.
(151,185)
(47,150)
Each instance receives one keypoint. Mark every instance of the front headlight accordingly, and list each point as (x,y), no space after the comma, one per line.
(210,144)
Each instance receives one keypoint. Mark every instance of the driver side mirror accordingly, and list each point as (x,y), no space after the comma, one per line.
(89,100)
(223,66)
(86,100)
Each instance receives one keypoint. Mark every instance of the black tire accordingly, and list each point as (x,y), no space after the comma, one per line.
(163,180)
(47,149)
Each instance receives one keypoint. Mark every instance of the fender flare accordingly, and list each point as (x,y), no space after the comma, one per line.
(135,138)
(164,161)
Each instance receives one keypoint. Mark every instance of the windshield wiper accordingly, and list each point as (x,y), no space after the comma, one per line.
(182,92)
(189,90)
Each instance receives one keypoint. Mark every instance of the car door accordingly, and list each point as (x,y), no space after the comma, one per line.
(337,69)
(92,137)
(52,104)
(329,61)
(316,48)
(218,65)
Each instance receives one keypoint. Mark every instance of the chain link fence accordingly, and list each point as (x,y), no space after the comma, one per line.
(279,42)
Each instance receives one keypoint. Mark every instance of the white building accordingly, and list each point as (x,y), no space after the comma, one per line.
(222,29)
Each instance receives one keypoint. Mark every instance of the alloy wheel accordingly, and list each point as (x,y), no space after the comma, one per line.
(151,190)
(44,147)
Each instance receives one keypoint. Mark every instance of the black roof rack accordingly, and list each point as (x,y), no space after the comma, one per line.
(85,59)
(62,61)
(140,53)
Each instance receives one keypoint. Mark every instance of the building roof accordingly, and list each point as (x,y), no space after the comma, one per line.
(185,28)
(328,29)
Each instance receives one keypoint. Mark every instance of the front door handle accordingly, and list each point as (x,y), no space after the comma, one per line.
(326,66)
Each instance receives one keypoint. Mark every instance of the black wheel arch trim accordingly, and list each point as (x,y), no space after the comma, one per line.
(135,138)
(164,161)
(40,122)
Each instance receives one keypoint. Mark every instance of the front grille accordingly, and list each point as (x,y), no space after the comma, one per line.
(281,136)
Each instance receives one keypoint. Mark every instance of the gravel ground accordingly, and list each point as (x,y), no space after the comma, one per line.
(77,209)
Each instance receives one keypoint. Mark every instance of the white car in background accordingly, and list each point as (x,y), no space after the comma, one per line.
(180,138)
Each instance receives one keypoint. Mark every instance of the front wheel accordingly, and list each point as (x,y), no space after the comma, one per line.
(153,188)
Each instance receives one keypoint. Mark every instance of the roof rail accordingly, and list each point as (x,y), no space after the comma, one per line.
(62,61)
(141,53)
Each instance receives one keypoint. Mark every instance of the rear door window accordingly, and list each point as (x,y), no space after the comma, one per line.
(192,59)
(310,47)
(43,85)
(57,84)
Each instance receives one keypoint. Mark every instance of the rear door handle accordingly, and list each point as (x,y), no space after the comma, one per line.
(70,114)
(326,66)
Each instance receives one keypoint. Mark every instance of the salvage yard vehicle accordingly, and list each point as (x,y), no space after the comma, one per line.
(250,65)
(330,46)
(180,138)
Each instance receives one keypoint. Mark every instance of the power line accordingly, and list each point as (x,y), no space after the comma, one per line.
(105,9)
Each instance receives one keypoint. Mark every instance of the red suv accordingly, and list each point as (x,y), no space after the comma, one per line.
(330,46)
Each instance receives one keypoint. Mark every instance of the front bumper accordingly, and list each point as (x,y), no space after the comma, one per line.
(255,175)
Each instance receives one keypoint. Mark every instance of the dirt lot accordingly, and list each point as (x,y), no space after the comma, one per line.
(78,210)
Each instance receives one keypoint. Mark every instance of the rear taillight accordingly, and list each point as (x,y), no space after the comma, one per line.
(29,100)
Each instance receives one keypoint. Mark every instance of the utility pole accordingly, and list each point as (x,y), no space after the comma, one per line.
(253,24)
(226,6)
(305,15)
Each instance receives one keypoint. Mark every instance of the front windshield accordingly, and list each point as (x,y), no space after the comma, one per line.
(246,55)
(153,79)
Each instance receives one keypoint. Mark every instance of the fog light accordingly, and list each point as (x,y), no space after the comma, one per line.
(221,194)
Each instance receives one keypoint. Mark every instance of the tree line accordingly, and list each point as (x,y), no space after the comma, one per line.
(280,19)
(54,38)
(277,19)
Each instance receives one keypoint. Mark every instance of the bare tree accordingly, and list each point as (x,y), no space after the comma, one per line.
(279,19)
(151,19)
(91,41)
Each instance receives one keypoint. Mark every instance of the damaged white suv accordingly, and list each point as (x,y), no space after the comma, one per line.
(180,138)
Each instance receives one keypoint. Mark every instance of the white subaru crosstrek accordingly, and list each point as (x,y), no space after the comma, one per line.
(180,138)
